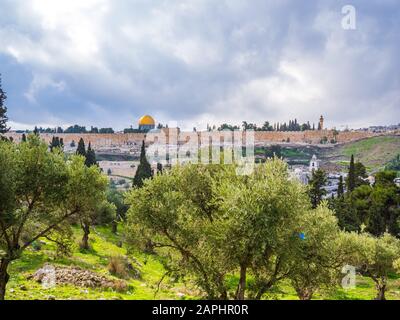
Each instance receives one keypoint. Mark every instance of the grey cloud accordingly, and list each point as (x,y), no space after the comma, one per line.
(107,62)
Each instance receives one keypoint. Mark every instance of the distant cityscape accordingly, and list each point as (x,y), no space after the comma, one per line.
(118,153)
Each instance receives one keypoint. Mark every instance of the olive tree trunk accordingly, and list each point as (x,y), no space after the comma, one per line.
(304,294)
(4,277)
(114,227)
(242,283)
(85,238)
(381,289)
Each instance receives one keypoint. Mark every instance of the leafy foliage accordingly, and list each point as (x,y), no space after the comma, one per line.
(207,223)
(40,191)
(317,260)
(374,208)
(377,258)
(394,164)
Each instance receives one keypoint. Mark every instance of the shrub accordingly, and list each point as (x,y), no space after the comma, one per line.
(121,286)
(122,267)
(117,266)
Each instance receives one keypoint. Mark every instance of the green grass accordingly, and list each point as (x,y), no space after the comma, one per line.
(365,290)
(299,153)
(294,153)
(373,152)
(104,244)
(368,145)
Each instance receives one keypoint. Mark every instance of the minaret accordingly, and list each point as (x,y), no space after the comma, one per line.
(321,123)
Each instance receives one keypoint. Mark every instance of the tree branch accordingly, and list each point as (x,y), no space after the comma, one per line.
(43,233)
(159,283)
(24,219)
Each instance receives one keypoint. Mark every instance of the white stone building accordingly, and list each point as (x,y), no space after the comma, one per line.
(314,163)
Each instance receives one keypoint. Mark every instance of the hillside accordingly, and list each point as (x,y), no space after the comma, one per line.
(104,245)
(374,152)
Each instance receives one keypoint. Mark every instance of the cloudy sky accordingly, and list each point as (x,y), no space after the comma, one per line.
(107,62)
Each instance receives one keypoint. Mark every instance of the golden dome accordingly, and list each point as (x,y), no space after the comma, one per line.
(146,121)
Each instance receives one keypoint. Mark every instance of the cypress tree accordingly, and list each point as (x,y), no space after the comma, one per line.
(90,156)
(340,190)
(316,190)
(360,173)
(159,168)
(3,111)
(56,142)
(351,178)
(52,143)
(81,150)
(144,169)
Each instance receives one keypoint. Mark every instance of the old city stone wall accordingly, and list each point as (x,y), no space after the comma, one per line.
(128,139)
(97,140)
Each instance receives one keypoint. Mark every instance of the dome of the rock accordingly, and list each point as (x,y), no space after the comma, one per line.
(147,123)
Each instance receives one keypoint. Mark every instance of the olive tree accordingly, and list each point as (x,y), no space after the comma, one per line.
(208,223)
(174,213)
(39,192)
(256,227)
(377,257)
(320,253)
